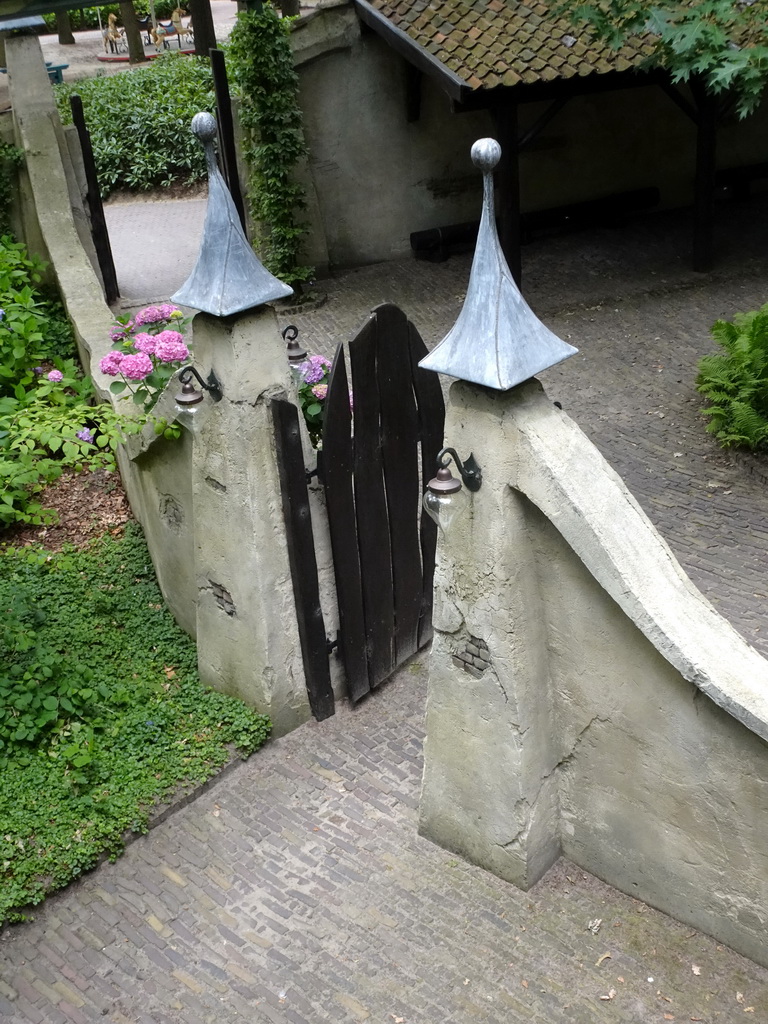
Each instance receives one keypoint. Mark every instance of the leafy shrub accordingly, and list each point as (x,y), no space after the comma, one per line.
(10,159)
(139,121)
(735,382)
(101,711)
(46,420)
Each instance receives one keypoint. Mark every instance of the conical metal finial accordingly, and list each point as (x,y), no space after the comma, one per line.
(497,340)
(228,277)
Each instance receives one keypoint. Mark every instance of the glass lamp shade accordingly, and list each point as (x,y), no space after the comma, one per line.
(444,498)
(190,417)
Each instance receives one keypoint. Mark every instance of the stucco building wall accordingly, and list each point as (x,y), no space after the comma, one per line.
(374,177)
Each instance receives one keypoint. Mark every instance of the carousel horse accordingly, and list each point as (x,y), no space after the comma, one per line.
(113,35)
(162,33)
(177,23)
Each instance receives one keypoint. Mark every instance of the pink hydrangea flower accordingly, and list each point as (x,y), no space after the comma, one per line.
(136,367)
(320,391)
(170,347)
(144,343)
(56,376)
(150,315)
(169,311)
(110,364)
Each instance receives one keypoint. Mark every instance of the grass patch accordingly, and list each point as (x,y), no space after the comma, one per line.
(102,713)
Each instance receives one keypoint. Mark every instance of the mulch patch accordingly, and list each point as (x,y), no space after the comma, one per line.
(88,505)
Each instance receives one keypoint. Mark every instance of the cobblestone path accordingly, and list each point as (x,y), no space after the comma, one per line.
(297,890)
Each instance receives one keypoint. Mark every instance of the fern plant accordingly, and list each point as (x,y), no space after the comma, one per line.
(735,382)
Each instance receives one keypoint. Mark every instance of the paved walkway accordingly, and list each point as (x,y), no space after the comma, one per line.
(296,889)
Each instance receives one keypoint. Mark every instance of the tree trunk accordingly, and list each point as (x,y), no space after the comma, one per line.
(132,32)
(64,28)
(290,8)
(202,24)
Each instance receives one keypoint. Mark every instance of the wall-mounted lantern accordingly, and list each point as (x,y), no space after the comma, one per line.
(189,399)
(294,351)
(444,497)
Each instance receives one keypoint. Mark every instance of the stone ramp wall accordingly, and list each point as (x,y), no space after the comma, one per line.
(247,645)
(621,721)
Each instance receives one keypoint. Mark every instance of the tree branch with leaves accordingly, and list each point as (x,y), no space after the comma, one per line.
(724,43)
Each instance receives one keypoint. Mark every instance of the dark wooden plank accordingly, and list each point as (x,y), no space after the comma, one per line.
(400,460)
(371,507)
(226,131)
(431,413)
(339,497)
(301,554)
(98,221)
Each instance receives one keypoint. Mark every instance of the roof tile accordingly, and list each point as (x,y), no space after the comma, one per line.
(493,42)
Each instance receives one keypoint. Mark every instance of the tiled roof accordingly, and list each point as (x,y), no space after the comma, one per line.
(505,42)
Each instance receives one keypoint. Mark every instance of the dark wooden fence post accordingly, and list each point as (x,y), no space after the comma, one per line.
(226,127)
(301,555)
(98,221)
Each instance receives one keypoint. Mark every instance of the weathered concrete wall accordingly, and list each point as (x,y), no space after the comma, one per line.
(53,216)
(210,506)
(248,639)
(377,178)
(620,720)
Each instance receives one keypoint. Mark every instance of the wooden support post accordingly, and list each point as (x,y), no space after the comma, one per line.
(301,554)
(202,22)
(508,187)
(98,221)
(227,149)
(706,165)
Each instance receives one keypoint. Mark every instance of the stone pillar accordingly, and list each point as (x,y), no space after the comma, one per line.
(247,636)
(489,792)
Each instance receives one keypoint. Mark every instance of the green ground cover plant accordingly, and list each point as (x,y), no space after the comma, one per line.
(101,711)
(47,421)
(139,122)
(735,381)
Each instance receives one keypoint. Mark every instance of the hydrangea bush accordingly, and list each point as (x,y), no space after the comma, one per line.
(150,348)
(313,390)
(314,374)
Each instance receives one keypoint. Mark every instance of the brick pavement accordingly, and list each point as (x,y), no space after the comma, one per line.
(296,889)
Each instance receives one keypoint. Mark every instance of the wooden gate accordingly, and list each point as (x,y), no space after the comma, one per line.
(381,438)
